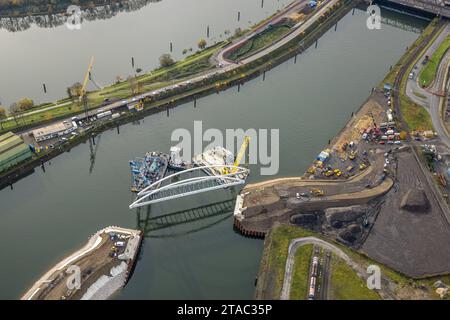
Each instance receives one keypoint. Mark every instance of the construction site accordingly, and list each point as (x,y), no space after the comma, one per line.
(94,272)
(369,190)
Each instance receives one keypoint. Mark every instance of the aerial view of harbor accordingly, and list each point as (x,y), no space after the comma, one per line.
(225,149)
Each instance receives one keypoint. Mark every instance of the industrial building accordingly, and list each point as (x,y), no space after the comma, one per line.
(12,150)
(53,131)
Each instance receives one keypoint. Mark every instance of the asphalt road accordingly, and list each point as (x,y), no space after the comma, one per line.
(431,101)
(222,64)
(294,245)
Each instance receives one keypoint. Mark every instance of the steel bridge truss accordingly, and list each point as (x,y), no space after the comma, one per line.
(178,186)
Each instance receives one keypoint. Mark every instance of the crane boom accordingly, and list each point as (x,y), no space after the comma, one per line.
(86,78)
(239,156)
(241,153)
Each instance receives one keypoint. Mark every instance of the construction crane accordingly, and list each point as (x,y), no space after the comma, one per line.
(239,156)
(83,96)
(93,152)
(84,99)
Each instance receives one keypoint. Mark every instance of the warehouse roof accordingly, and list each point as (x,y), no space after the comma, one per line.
(54,128)
(10,145)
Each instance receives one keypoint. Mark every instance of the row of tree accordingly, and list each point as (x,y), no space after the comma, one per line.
(20,106)
(75,90)
(30,4)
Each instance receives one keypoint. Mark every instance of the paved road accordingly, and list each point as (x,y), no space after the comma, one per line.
(291,8)
(294,245)
(38,111)
(298,29)
(430,100)
(227,66)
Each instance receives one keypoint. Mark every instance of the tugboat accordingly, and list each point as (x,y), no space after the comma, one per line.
(148,170)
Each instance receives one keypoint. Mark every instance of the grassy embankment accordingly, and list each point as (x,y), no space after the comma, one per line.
(260,41)
(153,80)
(158,78)
(415,116)
(300,276)
(345,284)
(272,267)
(428,73)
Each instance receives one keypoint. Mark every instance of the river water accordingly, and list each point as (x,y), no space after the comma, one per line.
(51,213)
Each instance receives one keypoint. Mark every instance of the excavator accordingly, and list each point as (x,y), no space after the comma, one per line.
(239,157)
(317,192)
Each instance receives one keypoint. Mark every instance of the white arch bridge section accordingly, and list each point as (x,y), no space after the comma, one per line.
(182,184)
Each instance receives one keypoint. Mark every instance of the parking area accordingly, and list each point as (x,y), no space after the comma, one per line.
(372,128)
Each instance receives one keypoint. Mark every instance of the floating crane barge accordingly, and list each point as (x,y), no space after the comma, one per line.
(148,170)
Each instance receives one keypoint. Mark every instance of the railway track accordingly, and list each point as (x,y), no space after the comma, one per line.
(403,70)
(325,280)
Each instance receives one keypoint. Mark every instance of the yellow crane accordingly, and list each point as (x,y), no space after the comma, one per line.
(83,96)
(239,156)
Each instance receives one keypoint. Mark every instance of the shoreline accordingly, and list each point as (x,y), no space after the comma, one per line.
(110,277)
(256,69)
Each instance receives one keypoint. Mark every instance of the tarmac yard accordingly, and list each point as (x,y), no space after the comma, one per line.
(413,240)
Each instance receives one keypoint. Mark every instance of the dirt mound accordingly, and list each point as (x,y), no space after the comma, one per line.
(338,216)
(415,200)
(304,218)
(351,233)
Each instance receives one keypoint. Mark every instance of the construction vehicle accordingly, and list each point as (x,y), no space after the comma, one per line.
(362,166)
(328,173)
(140,105)
(239,156)
(312,170)
(317,192)
(337,172)
(352,155)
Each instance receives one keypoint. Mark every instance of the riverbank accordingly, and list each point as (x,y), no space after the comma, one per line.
(261,208)
(29,8)
(94,272)
(219,82)
(412,117)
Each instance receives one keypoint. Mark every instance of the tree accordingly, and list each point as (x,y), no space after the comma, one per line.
(238,32)
(75,90)
(25,104)
(166,60)
(403,135)
(202,44)
(14,110)
(134,85)
(2,113)
(185,51)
